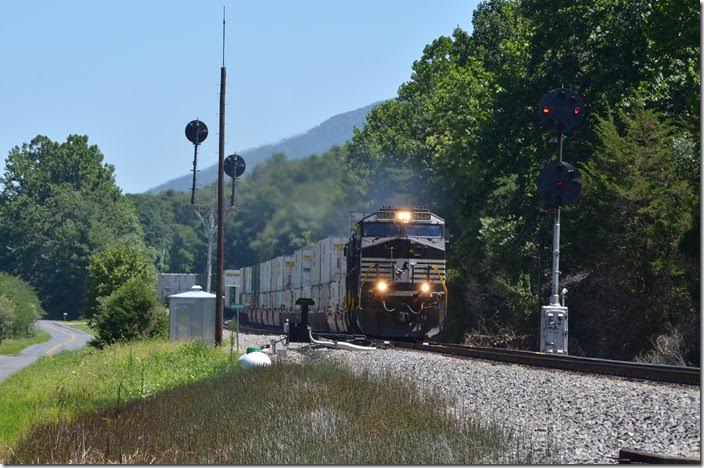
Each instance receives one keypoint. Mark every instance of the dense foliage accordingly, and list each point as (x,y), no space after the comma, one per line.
(466,124)
(131,312)
(111,268)
(19,307)
(58,204)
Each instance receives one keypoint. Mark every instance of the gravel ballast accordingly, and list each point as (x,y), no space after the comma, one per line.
(569,417)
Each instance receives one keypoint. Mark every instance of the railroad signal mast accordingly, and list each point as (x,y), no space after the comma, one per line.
(558,184)
(234,166)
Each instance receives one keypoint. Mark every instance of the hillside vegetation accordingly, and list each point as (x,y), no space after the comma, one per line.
(335,131)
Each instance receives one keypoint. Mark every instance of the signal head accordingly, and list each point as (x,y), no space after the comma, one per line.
(561,110)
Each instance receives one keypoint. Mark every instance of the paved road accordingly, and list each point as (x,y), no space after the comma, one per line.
(62,338)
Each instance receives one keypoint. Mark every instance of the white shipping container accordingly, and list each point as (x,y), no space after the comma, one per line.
(174,283)
(247,280)
(315,295)
(332,261)
(288,299)
(265,276)
(289,264)
(325,295)
(232,278)
(303,261)
(315,266)
(282,267)
(276,266)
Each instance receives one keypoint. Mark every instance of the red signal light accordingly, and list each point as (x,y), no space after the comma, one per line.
(576,111)
(545,110)
(559,184)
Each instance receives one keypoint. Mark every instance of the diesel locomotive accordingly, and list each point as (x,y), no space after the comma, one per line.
(386,280)
(395,279)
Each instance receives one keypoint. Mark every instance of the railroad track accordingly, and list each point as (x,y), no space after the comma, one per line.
(634,370)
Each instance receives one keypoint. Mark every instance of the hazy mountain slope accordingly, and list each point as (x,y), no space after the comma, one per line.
(334,131)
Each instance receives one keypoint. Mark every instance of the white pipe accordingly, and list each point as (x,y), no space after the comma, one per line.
(339,344)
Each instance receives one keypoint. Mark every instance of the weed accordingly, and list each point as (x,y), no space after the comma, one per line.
(282,414)
(89,380)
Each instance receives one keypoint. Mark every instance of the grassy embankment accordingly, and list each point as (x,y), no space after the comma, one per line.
(80,325)
(278,415)
(13,346)
(88,380)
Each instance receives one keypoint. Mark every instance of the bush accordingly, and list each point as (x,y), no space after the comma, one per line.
(20,309)
(111,268)
(131,312)
(7,317)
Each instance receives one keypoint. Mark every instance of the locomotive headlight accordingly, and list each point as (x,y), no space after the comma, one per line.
(425,287)
(382,286)
(403,216)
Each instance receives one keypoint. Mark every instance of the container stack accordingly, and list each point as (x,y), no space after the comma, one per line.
(270,289)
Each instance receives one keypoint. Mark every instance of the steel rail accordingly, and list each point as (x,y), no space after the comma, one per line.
(634,370)
(629,455)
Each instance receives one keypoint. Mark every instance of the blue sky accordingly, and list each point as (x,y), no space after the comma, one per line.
(131,74)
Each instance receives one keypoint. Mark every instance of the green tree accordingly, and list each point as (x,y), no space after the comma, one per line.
(109,269)
(8,317)
(639,206)
(131,312)
(21,306)
(58,204)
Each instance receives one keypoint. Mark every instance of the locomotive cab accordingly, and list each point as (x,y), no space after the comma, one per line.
(395,278)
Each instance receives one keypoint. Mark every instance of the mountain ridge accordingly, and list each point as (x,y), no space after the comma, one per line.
(333,131)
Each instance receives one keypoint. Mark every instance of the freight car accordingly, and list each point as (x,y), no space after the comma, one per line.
(386,280)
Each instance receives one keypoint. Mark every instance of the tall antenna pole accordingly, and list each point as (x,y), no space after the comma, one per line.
(219,306)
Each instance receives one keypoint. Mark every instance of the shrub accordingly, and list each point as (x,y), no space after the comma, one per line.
(667,348)
(131,312)
(25,309)
(113,267)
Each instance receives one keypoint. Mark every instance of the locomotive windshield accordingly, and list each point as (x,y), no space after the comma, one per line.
(381,230)
(423,230)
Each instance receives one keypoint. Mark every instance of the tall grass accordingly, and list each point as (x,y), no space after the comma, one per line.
(283,414)
(87,380)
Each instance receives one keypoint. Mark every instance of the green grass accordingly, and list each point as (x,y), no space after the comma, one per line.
(283,414)
(80,325)
(16,345)
(87,380)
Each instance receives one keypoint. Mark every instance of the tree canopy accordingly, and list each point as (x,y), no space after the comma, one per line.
(58,204)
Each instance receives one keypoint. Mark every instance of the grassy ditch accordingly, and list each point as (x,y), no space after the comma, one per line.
(87,380)
(284,414)
(13,346)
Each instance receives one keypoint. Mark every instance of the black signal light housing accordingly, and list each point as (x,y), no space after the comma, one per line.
(561,110)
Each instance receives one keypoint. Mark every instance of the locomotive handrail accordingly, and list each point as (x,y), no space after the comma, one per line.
(361,285)
(442,282)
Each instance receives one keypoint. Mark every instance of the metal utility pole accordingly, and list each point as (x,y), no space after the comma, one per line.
(555,297)
(219,305)
(558,184)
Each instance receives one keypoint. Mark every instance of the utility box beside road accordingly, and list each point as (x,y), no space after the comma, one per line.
(192,316)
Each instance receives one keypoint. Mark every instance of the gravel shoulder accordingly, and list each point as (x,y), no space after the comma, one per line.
(568,416)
